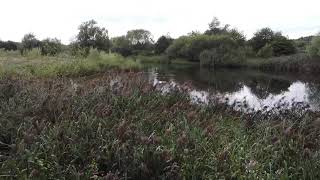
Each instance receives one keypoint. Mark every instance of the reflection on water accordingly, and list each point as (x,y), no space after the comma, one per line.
(247,88)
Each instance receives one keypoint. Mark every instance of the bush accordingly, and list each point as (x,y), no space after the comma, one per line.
(190,47)
(222,56)
(266,51)
(50,47)
(9,45)
(282,46)
(314,48)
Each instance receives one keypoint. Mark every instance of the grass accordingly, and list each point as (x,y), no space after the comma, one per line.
(115,125)
(34,65)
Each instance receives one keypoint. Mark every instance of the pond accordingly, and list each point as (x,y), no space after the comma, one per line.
(251,90)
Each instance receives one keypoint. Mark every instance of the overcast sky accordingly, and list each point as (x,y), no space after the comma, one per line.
(61,18)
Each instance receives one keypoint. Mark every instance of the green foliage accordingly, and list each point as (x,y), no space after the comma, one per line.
(29,42)
(162,44)
(216,29)
(222,56)
(261,38)
(34,53)
(114,126)
(314,48)
(121,45)
(136,42)
(50,47)
(208,58)
(140,40)
(266,51)
(33,64)
(9,45)
(92,36)
(282,46)
(190,47)
(265,37)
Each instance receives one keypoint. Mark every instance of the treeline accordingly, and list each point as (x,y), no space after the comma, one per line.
(217,45)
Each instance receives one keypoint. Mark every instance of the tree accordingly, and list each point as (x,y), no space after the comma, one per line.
(121,45)
(162,44)
(280,44)
(92,36)
(215,28)
(261,38)
(50,46)
(140,40)
(29,41)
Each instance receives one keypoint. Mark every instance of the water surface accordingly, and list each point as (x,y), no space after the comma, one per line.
(250,89)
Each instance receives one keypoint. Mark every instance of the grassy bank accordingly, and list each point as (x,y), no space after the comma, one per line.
(33,64)
(293,63)
(115,125)
(300,63)
(163,60)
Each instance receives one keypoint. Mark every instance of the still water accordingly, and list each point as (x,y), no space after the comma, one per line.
(252,89)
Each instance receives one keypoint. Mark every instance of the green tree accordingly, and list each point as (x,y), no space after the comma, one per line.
(162,44)
(140,41)
(261,38)
(121,45)
(215,28)
(92,36)
(50,46)
(29,41)
(265,37)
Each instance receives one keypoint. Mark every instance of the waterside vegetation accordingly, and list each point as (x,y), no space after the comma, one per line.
(116,125)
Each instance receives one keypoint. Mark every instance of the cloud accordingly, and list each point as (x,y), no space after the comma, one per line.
(61,18)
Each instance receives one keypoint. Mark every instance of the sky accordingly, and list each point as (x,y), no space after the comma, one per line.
(61,18)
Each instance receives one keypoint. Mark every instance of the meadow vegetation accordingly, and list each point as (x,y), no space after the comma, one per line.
(116,125)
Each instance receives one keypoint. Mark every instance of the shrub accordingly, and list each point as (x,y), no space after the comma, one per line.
(282,46)
(314,48)
(266,51)
(9,45)
(190,47)
(50,47)
(222,55)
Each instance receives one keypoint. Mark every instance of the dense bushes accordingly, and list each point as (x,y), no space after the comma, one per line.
(9,45)
(190,47)
(266,51)
(314,48)
(222,56)
(50,47)
(265,40)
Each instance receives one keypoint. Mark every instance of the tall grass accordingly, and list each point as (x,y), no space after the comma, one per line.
(117,127)
(33,64)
